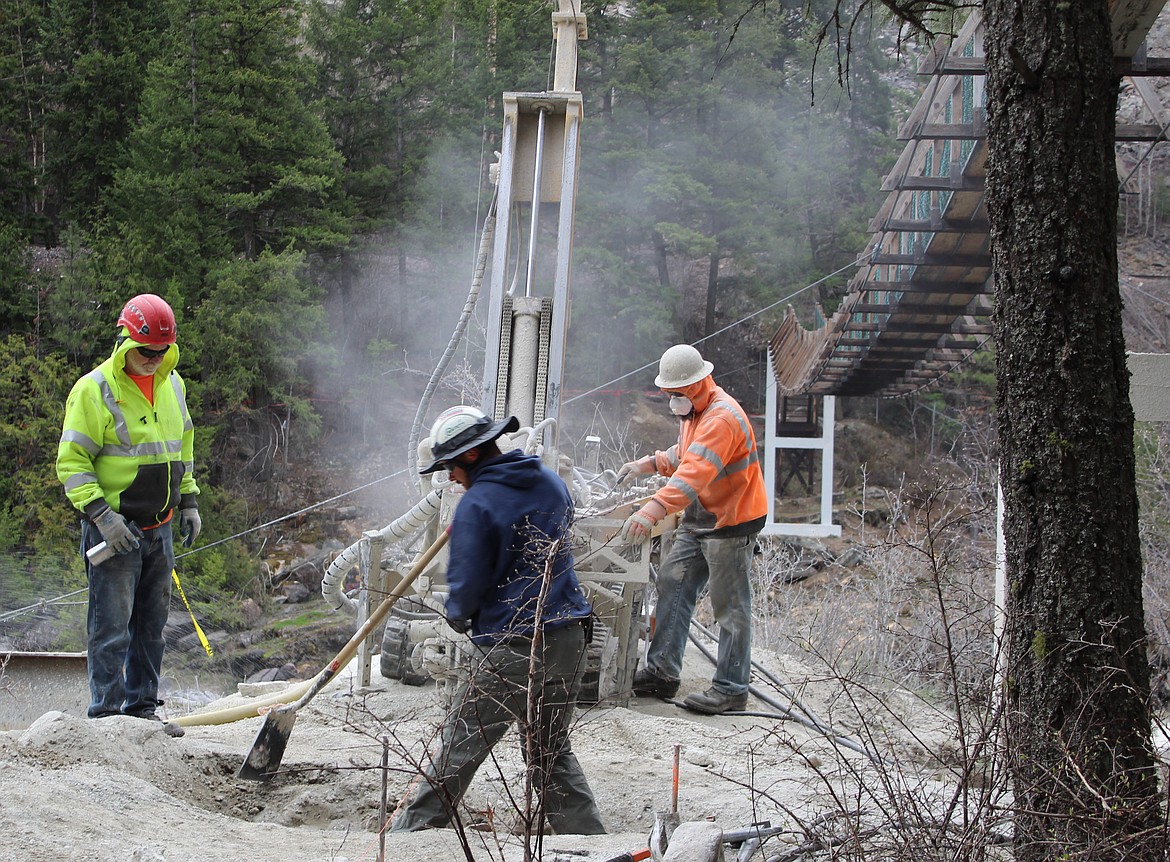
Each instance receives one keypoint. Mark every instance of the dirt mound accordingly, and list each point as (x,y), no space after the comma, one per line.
(120,788)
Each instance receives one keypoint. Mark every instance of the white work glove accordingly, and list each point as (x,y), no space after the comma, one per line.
(190,525)
(633,468)
(115,529)
(637,527)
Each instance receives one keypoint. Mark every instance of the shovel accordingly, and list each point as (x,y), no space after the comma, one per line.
(268,749)
(665,822)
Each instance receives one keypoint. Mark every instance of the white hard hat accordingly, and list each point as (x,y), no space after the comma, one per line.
(681,366)
(461,428)
(425,454)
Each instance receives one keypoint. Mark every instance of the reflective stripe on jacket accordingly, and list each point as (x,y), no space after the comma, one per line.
(715,461)
(117,446)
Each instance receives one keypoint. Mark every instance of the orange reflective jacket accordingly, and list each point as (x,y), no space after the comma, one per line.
(715,460)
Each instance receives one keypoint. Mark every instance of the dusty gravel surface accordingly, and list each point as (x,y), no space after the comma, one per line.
(120,789)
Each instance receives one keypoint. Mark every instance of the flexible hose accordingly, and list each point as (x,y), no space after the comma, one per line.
(794,702)
(582,493)
(534,434)
(245,710)
(587,482)
(485,242)
(415,519)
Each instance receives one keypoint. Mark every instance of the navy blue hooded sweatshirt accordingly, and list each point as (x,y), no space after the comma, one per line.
(515,514)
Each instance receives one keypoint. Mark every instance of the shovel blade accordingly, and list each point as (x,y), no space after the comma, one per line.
(268,749)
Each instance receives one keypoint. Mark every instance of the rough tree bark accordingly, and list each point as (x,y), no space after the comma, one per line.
(1078,680)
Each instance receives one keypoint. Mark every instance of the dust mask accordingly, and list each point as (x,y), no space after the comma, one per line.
(680,405)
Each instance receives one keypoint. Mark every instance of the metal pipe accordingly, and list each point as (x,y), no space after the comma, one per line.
(524,359)
(537,172)
(414,616)
(674,781)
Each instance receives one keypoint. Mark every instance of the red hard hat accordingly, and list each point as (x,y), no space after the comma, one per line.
(149,319)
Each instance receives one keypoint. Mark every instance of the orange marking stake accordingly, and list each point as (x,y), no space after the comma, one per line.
(674,782)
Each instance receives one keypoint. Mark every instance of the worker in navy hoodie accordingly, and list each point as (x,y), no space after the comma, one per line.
(513,589)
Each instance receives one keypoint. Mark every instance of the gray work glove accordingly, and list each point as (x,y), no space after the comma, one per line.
(115,530)
(630,469)
(638,526)
(190,524)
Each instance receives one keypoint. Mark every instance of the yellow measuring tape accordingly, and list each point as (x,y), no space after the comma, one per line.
(199,631)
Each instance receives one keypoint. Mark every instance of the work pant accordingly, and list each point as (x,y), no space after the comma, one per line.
(482,711)
(692,563)
(129,598)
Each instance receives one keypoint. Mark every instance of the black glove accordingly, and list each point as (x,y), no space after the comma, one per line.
(460,626)
(116,530)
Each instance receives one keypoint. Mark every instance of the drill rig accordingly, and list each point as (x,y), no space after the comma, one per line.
(528,237)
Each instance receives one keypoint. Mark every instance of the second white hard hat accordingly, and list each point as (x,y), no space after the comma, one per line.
(461,428)
(681,366)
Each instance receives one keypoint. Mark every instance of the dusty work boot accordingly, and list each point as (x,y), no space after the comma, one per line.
(715,702)
(169,727)
(649,684)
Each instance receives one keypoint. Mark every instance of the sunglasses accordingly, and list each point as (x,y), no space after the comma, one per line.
(147,353)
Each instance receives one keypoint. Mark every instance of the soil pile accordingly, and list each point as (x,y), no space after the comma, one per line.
(120,789)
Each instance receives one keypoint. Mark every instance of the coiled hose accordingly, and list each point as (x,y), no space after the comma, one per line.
(403,526)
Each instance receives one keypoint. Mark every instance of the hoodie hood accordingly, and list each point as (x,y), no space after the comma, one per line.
(125,344)
(701,393)
(513,469)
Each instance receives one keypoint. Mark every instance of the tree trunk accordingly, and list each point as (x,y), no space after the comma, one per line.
(712,293)
(661,259)
(1084,775)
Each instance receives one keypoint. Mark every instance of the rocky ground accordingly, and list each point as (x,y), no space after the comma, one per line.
(120,789)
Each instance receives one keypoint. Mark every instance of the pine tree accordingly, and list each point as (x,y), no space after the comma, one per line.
(228,159)
(95,57)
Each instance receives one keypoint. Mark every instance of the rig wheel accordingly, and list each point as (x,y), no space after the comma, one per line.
(394,661)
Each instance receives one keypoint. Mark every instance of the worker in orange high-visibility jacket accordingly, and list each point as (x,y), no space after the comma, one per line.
(125,459)
(716,481)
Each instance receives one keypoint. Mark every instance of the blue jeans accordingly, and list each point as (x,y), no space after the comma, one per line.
(129,597)
(484,708)
(692,563)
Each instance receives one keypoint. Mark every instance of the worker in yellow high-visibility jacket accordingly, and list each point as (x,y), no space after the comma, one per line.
(126,461)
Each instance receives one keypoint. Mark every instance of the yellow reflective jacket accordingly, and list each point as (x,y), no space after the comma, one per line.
(118,447)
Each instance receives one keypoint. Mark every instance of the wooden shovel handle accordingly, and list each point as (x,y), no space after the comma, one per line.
(346,653)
